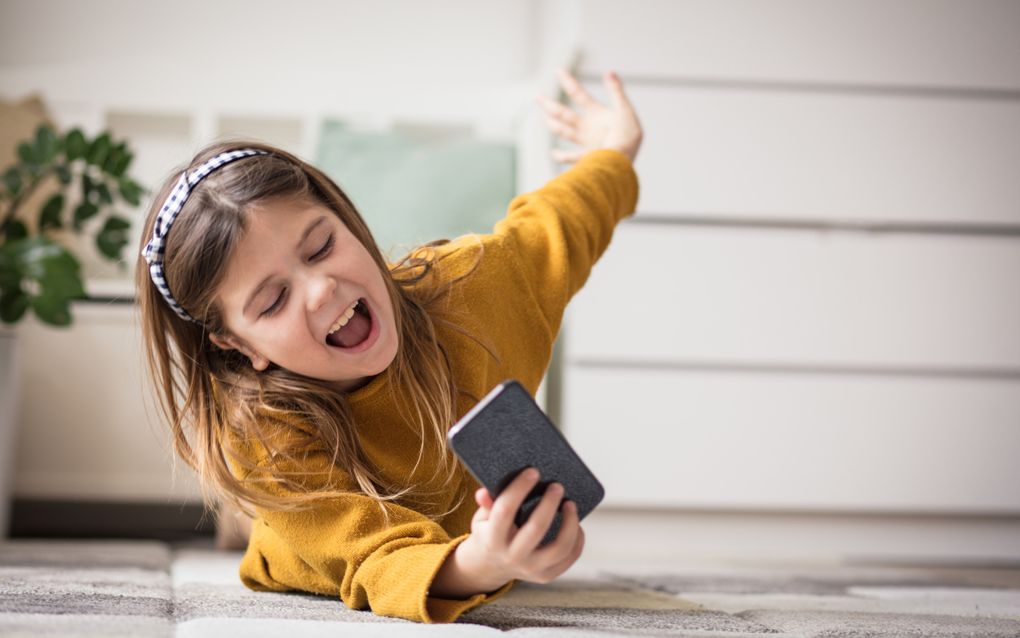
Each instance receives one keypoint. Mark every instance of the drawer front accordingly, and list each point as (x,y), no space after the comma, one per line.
(745,153)
(664,295)
(910,44)
(744,440)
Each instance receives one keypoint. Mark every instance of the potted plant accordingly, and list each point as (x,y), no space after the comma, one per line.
(81,180)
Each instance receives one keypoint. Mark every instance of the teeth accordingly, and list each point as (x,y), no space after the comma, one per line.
(344,318)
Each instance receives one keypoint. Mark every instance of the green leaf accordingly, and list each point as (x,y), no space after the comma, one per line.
(13,304)
(52,309)
(113,237)
(87,187)
(64,173)
(98,150)
(12,180)
(104,193)
(75,145)
(130,191)
(82,212)
(26,153)
(50,216)
(55,270)
(124,157)
(45,144)
(14,229)
(10,275)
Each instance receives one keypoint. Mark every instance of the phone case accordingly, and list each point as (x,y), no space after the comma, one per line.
(505,433)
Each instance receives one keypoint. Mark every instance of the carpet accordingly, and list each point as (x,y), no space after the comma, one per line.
(152,588)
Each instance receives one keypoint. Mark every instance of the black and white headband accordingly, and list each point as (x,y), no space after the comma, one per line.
(153,251)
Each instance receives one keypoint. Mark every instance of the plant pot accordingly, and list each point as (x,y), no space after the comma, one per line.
(10,378)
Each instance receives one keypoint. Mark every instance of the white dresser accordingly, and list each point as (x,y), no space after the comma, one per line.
(817,305)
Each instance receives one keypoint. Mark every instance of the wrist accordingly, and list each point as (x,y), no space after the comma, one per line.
(463,575)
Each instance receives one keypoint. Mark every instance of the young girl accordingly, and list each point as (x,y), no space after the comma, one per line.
(311,384)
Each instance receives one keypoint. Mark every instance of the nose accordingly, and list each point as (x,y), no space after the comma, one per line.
(321,289)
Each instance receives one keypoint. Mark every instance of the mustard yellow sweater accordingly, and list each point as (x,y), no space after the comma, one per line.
(534,261)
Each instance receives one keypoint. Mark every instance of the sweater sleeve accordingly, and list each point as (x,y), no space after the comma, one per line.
(344,546)
(559,231)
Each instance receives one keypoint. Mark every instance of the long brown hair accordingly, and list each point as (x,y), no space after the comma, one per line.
(211,397)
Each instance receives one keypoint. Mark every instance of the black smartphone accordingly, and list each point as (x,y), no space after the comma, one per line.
(507,432)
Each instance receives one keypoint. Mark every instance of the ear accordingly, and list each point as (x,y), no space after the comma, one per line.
(229,342)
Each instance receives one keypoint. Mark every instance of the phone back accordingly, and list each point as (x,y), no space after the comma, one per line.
(508,432)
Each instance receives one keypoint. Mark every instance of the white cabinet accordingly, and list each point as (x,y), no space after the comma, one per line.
(89,429)
(815,308)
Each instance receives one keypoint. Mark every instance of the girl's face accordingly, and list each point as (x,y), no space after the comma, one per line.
(294,273)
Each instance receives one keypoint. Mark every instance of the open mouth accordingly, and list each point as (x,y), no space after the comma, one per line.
(357,330)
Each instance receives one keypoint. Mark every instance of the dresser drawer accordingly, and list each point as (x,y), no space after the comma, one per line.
(806,442)
(664,294)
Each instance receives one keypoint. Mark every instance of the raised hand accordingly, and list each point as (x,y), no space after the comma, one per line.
(597,126)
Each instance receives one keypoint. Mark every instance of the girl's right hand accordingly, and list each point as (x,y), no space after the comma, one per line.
(497,549)
(597,126)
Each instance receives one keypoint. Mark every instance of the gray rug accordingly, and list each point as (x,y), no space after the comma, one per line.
(148,588)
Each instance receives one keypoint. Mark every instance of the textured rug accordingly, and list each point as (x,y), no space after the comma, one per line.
(149,588)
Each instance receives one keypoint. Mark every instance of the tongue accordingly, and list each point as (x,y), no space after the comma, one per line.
(353,333)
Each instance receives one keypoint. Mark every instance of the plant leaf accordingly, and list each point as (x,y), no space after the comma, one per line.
(12,180)
(75,145)
(13,304)
(26,153)
(64,173)
(45,144)
(104,193)
(52,309)
(50,216)
(83,211)
(124,158)
(14,229)
(130,191)
(55,270)
(113,237)
(98,150)
(87,187)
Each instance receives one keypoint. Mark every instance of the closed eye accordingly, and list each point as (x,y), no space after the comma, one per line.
(271,310)
(325,248)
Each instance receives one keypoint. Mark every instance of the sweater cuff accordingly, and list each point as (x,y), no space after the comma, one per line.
(628,189)
(447,610)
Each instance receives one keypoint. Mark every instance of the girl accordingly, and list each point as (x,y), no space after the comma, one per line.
(311,384)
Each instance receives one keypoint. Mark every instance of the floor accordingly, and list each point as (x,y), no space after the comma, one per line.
(150,588)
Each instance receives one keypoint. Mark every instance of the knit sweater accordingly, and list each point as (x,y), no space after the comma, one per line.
(537,257)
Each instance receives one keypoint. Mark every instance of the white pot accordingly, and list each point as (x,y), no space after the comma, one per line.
(10,377)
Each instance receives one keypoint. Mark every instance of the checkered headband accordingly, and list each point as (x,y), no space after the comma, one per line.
(153,251)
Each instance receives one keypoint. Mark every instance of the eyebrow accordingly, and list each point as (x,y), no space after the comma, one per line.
(308,231)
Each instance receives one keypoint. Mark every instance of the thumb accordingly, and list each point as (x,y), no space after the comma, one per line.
(615,88)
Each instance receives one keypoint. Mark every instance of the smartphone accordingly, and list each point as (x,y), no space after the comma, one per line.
(507,432)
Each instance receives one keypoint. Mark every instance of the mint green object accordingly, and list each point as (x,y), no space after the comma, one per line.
(416,186)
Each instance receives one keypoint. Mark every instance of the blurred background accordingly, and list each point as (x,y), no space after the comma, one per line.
(820,288)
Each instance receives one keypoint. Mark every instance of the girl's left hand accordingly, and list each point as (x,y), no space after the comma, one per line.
(598,126)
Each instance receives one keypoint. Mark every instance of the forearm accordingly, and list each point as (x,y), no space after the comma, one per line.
(458,579)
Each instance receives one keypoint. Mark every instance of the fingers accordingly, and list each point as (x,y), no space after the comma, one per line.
(484,501)
(575,90)
(573,554)
(568,133)
(558,111)
(528,537)
(504,509)
(615,89)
